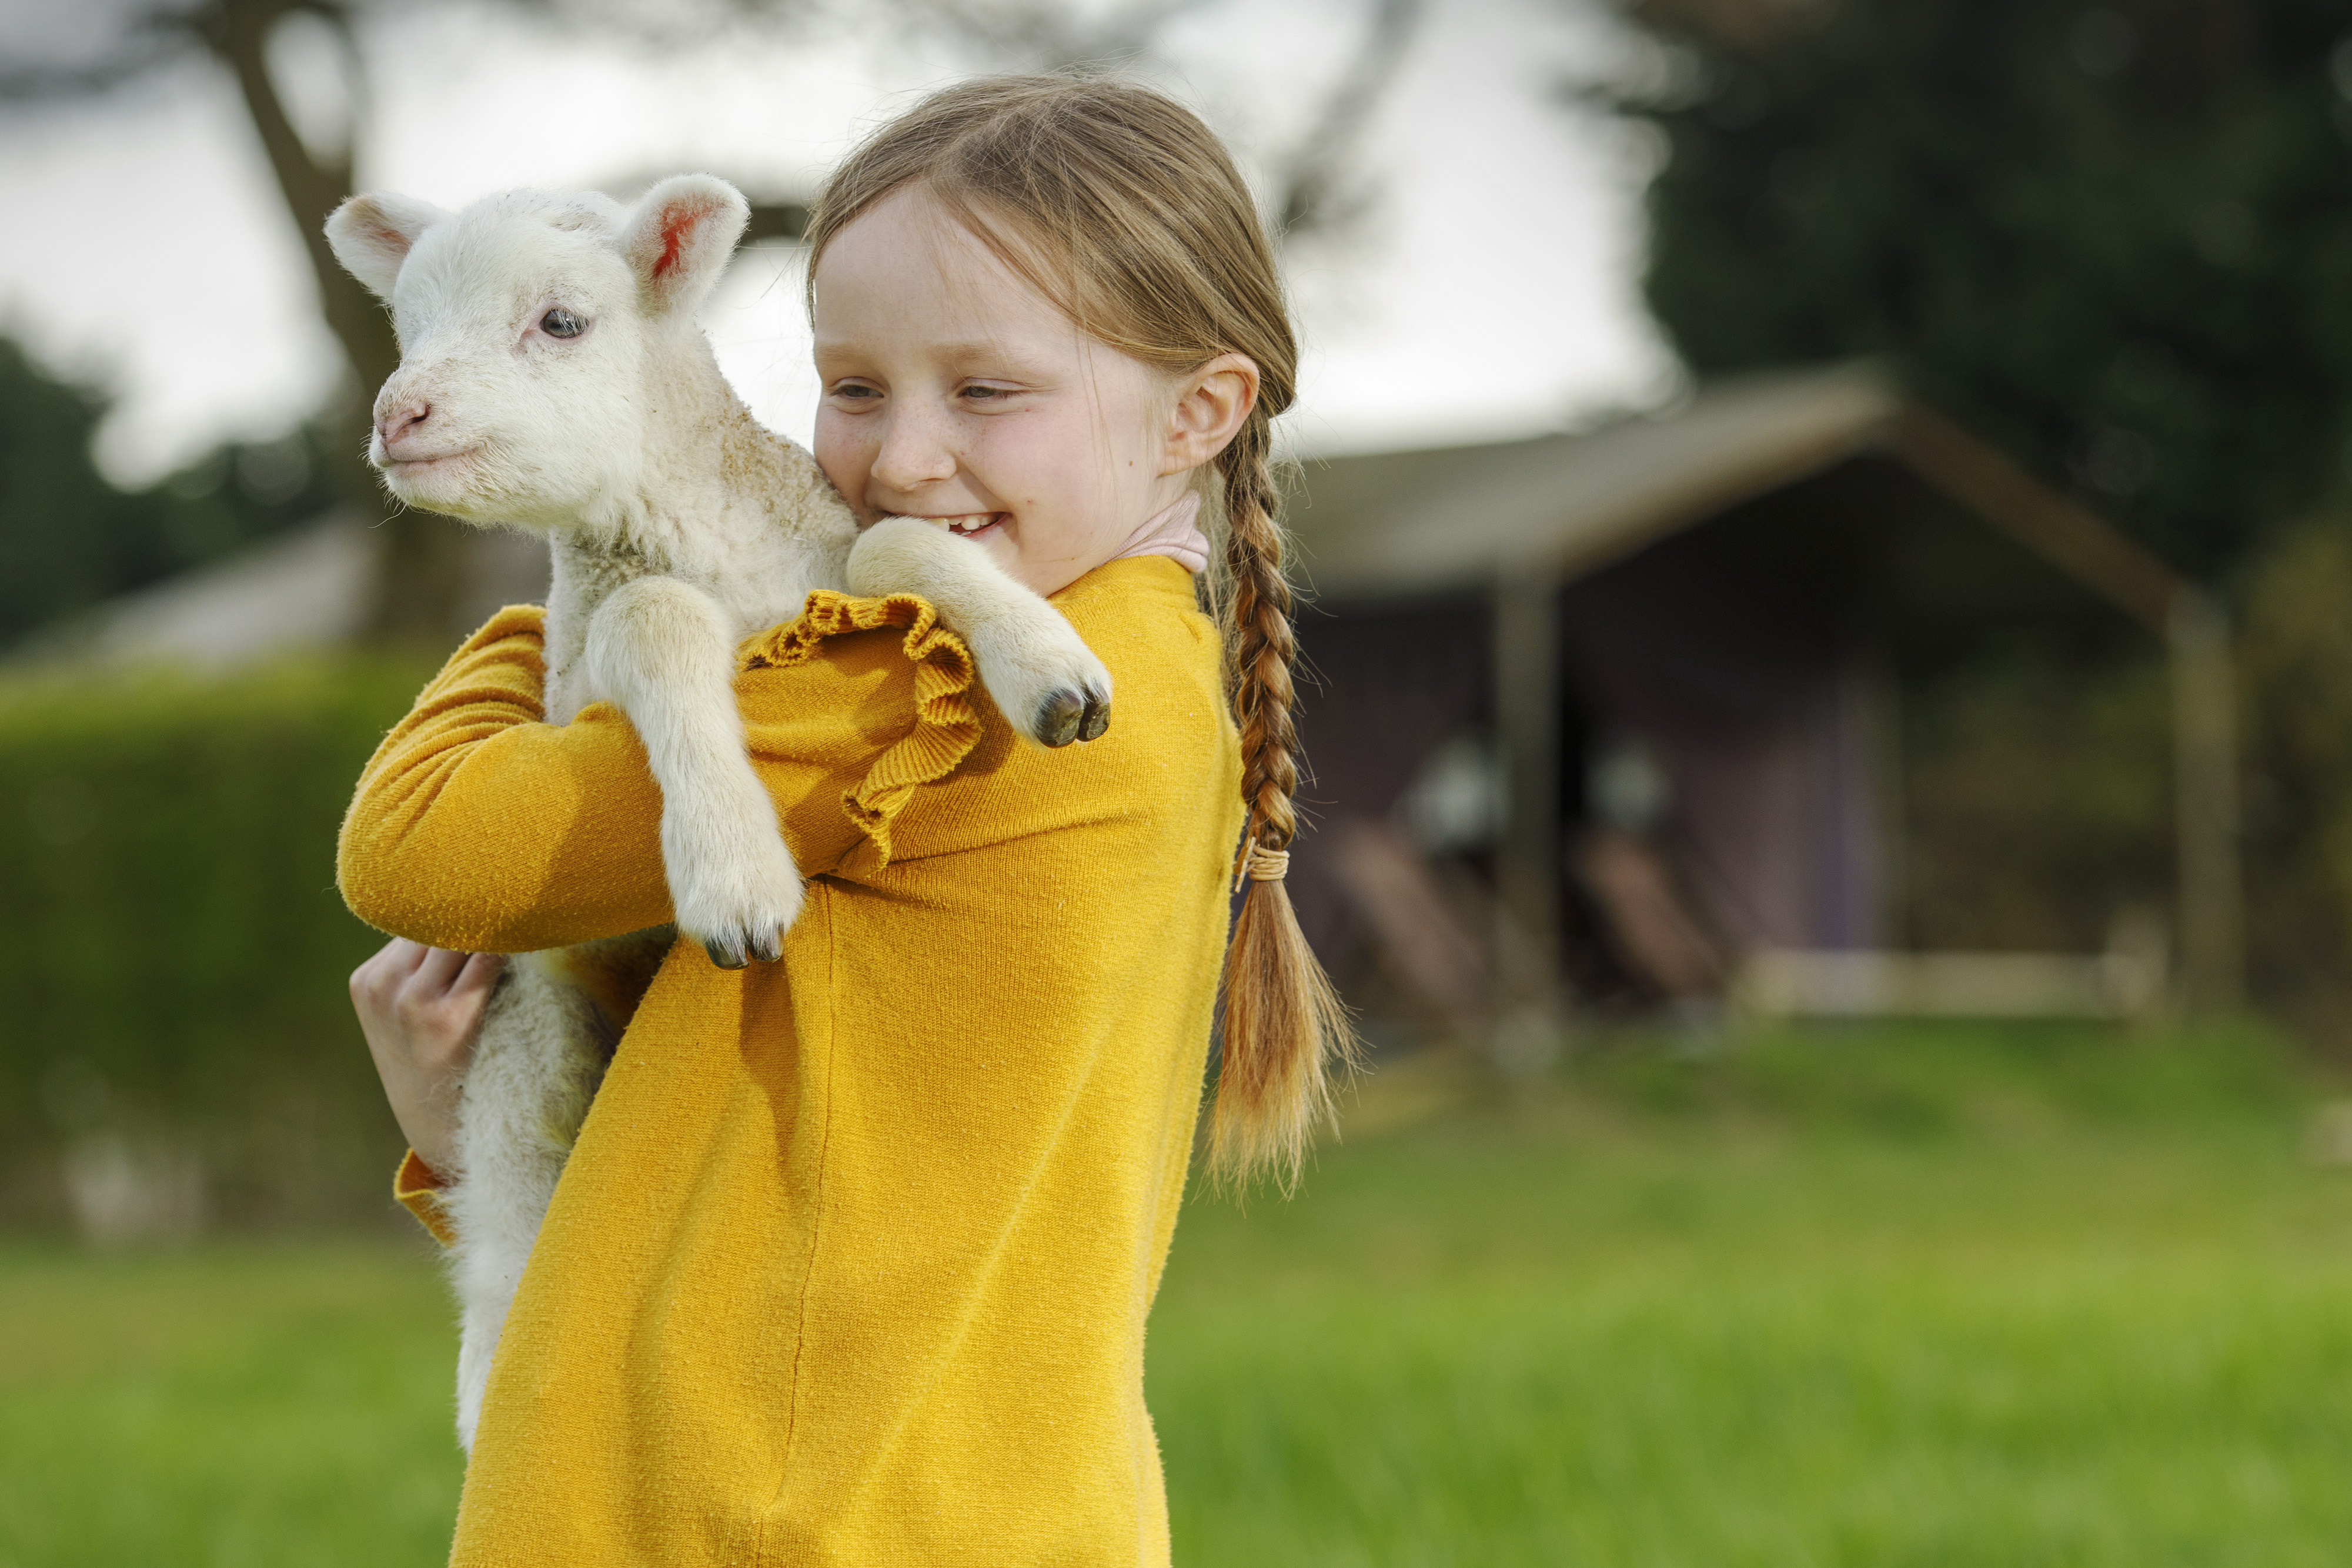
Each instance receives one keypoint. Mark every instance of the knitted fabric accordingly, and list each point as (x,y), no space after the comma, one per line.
(416,1187)
(852,1259)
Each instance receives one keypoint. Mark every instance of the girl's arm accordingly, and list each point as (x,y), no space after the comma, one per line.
(478,828)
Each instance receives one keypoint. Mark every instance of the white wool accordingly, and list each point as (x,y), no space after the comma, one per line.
(679,526)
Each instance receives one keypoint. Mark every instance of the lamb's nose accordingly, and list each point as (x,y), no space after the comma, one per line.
(401,419)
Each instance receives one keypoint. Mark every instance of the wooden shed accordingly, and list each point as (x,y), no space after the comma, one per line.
(1539,645)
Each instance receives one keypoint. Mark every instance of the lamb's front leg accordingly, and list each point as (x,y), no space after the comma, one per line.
(664,653)
(1044,678)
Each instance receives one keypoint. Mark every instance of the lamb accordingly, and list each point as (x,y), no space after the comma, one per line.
(552,378)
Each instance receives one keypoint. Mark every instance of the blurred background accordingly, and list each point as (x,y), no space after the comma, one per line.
(1828,531)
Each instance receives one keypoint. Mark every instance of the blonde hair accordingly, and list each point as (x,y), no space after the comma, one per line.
(1122,207)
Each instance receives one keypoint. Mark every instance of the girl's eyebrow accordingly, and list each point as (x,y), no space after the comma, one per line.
(987,350)
(964,355)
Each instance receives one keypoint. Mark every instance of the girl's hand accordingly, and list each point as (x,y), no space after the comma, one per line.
(421,1009)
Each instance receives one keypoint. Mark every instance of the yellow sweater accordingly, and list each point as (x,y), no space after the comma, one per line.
(851,1263)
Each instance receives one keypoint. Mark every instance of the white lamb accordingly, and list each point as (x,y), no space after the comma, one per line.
(552,378)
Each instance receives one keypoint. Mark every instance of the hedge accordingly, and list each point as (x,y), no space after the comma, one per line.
(172,947)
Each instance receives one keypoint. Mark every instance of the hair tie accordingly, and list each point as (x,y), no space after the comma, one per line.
(1260,864)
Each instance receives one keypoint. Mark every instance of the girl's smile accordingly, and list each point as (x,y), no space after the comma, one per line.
(970,524)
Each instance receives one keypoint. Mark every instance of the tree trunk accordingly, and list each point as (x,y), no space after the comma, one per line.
(422,574)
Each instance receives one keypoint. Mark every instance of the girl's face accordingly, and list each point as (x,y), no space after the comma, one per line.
(955,392)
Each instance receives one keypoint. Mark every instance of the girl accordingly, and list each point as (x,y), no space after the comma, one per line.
(852,1259)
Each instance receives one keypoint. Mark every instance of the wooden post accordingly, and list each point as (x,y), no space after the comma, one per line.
(1528,861)
(2205,771)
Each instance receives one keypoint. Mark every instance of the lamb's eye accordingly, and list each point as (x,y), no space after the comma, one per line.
(562,323)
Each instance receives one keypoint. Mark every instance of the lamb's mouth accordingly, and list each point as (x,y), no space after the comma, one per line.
(411,468)
(966,524)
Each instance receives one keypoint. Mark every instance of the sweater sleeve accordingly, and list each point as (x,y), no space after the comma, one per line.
(416,1187)
(477,826)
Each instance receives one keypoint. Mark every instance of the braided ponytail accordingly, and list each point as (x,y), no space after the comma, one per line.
(1285,1025)
(1117,204)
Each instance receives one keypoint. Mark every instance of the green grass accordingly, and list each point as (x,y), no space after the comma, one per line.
(232,1406)
(1926,1297)
(1958,1298)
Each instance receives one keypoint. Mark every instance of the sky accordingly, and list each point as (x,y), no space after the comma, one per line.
(1493,290)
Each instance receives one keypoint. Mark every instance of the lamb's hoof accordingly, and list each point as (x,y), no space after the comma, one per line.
(1059,719)
(1070,716)
(733,952)
(742,953)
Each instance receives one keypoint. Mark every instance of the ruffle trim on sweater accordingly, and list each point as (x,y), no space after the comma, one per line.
(946,724)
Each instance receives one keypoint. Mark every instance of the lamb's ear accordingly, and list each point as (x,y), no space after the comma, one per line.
(371,235)
(679,238)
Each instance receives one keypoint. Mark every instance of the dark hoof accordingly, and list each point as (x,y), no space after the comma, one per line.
(1060,719)
(768,948)
(1097,718)
(725,956)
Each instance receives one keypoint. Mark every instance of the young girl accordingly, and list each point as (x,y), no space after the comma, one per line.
(852,1259)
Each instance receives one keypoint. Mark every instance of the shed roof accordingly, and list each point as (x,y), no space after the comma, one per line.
(1408,524)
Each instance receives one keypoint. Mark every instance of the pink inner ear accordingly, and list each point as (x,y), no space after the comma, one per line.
(677,224)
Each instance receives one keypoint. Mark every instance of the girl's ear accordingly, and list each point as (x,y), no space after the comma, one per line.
(679,236)
(1211,405)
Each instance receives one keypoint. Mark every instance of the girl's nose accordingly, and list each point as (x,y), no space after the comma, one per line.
(915,452)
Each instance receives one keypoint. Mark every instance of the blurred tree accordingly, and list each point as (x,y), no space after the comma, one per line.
(2118,237)
(2296,656)
(107,49)
(99,48)
(421,559)
(68,539)
(1320,185)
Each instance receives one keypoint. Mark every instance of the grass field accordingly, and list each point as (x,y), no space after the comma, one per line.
(1912,1298)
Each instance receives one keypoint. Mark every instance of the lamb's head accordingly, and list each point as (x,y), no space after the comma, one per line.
(528,327)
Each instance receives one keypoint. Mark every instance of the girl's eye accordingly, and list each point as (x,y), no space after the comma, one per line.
(854,390)
(985,394)
(562,323)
